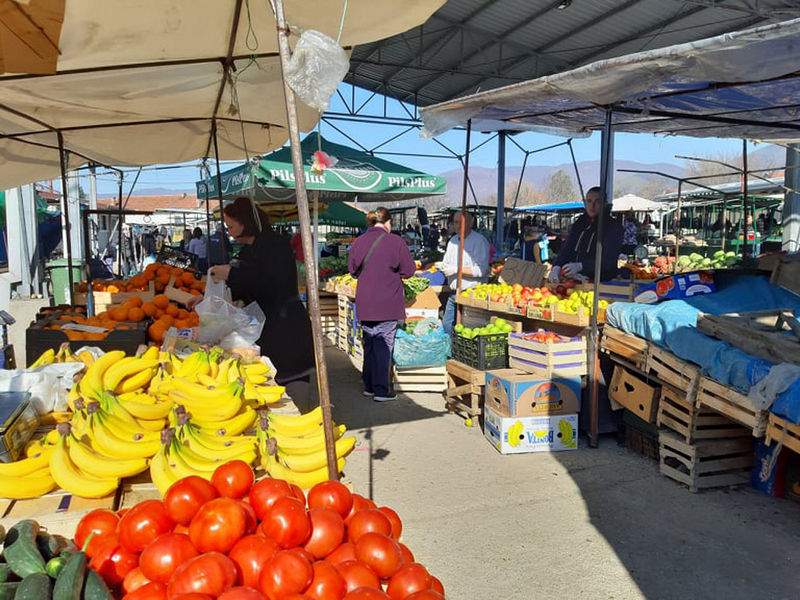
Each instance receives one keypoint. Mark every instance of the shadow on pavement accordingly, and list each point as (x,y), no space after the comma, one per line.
(721,543)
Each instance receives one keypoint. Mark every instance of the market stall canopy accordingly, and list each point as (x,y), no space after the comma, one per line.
(140,83)
(357,176)
(738,85)
(335,214)
(634,203)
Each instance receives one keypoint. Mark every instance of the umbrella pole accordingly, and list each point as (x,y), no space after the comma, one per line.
(67,228)
(462,229)
(223,234)
(305,233)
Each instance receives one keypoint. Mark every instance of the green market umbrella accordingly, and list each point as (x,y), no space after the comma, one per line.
(357,176)
(336,214)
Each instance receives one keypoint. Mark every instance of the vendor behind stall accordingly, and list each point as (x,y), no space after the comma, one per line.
(577,255)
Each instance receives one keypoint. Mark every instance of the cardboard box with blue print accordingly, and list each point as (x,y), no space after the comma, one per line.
(423,305)
(677,287)
(514,393)
(518,435)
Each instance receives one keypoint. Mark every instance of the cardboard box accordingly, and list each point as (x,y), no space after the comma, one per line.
(636,395)
(769,475)
(677,287)
(518,435)
(514,393)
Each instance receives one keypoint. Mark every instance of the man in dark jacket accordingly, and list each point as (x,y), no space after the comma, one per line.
(577,255)
(380,262)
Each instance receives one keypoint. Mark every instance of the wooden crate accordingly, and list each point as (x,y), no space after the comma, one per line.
(59,512)
(632,392)
(420,379)
(673,371)
(621,345)
(691,422)
(548,359)
(640,443)
(705,463)
(737,407)
(102,300)
(465,387)
(781,431)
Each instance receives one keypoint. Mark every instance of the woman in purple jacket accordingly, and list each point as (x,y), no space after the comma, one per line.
(380,261)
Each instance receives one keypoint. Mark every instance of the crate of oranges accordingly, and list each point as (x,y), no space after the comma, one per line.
(79,330)
(107,292)
(166,314)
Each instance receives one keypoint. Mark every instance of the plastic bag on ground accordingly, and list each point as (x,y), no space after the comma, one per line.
(317,67)
(430,350)
(49,385)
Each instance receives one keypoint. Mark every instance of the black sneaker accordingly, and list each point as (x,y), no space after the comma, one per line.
(368,394)
(385,398)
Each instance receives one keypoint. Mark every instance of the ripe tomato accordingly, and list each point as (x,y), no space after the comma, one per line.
(143,523)
(366,520)
(249,555)
(359,504)
(192,596)
(408,556)
(425,595)
(233,479)
(113,562)
(331,494)
(149,591)
(218,525)
(409,578)
(356,574)
(242,593)
(102,522)
(162,557)
(134,580)
(327,532)
(327,583)
(211,573)
(367,593)
(297,492)
(380,553)
(287,522)
(436,585)
(185,497)
(394,520)
(181,529)
(343,553)
(285,573)
(264,493)
(251,520)
(304,553)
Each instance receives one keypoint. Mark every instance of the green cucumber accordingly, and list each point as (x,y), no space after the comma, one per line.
(34,587)
(5,573)
(70,581)
(94,588)
(47,545)
(20,549)
(2,533)
(8,590)
(55,565)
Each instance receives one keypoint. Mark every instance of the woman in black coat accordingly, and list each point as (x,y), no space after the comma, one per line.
(265,272)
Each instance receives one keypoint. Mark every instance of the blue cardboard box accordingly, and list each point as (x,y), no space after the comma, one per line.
(514,393)
(769,473)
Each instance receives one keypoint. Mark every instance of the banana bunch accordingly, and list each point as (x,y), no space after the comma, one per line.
(29,477)
(64,355)
(188,450)
(72,476)
(515,434)
(298,453)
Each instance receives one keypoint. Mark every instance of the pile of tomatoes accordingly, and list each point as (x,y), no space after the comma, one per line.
(237,539)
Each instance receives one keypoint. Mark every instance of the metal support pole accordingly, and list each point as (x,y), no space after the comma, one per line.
(305,234)
(121,236)
(66,228)
(223,233)
(501,191)
(462,229)
(744,200)
(606,184)
(790,215)
(678,229)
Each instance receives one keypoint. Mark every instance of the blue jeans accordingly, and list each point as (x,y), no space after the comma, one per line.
(449,319)
(378,347)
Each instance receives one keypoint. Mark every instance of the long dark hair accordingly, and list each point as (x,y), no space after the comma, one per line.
(246,213)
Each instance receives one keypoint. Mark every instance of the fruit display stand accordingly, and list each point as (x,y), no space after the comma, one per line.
(465,386)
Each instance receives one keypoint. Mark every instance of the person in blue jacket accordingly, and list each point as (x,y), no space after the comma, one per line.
(576,258)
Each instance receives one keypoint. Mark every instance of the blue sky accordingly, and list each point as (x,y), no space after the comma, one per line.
(643,148)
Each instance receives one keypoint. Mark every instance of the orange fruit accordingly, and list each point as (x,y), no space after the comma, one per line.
(167,321)
(176,272)
(160,286)
(156,332)
(187,278)
(182,323)
(112,289)
(136,301)
(161,301)
(159,313)
(165,278)
(135,314)
(182,314)
(119,313)
(172,310)
(149,309)
(150,275)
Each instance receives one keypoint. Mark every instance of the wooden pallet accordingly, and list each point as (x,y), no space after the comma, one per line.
(781,431)
(691,422)
(420,379)
(706,463)
(58,512)
(617,343)
(548,359)
(732,404)
(465,387)
(673,371)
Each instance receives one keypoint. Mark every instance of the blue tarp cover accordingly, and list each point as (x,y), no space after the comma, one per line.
(671,325)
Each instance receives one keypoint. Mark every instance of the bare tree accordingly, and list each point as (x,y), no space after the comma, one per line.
(714,173)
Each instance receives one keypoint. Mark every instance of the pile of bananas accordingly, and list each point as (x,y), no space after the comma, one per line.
(64,355)
(293,447)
